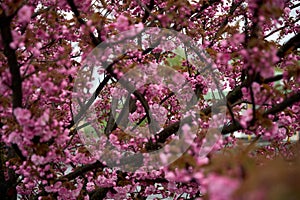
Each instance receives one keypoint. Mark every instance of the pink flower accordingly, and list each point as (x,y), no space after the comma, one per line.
(170,176)
(18,40)
(255,87)
(164,20)
(14,137)
(180,175)
(53,188)
(287,11)
(223,58)
(49,87)
(267,72)
(221,187)
(164,157)
(237,39)
(24,14)
(202,161)
(44,118)
(22,115)
(90,186)
(139,27)
(37,159)
(247,116)
(122,23)
(113,139)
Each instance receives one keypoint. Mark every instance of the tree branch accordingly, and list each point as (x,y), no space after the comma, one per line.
(92,99)
(205,5)
(231,97)
(283,105)
(76,12)
(235,95)
(148,9)
(223,25)
(16,80)
(272,111)
(290,45)
(81,171)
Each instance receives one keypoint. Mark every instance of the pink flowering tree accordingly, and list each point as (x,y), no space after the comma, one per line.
(46,123)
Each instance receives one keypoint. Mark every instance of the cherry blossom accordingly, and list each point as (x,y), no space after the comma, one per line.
(57,138)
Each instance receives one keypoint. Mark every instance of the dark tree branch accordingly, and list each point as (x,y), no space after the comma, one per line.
(81,171)
(124,83)
(76,12)
(41,11)
(223,25)
(99,193)
(273,79)
(232,97)
(9,187)
(253,105)
(274,110)
(92,99)
(295,6)
(148,11)
(203,7)
(111,124)
(290,45)
(283,105)
(16,83)
(160,103)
